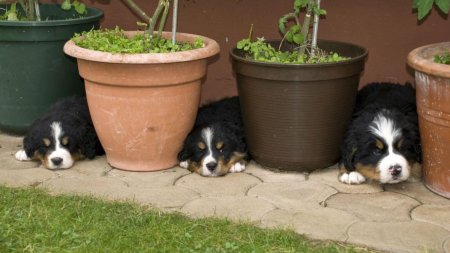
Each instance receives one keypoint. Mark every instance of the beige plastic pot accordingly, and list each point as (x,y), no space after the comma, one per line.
(143,105)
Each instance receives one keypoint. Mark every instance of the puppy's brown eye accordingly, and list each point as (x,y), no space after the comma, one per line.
(379,147)
(201,145)
(379,144)
(65,141)
(399,144)
(46,142)
(219,145)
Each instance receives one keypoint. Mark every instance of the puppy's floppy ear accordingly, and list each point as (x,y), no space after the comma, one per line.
(33,139)
(185,154)
(348,151)
(30,144)
(89,144)
(238,131)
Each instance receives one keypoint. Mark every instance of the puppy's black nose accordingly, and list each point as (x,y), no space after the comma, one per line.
(395,170)
(211,166)
(56,161)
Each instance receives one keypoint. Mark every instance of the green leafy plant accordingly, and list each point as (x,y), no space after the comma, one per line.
(32,12)
(295,32)
(115,41)
(423,9)
(443,58)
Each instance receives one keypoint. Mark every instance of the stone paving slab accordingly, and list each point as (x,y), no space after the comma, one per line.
(270,176)
(435,214)
(239,208)
(292,195)
(447,246)
(154,179)
(167,197)
(403,217)
(109,188)
(382,207)
(399,236)
(25,177)
(234,184)
(322,223)
(417,191)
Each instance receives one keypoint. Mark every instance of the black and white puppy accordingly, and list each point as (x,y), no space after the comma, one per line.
(382,142)
(63,135)
(216,145)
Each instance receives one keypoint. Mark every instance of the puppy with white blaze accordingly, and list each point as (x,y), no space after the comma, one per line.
(382,142)
(63,135)
(216,145)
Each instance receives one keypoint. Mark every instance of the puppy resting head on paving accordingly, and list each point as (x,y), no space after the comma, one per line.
(217,144)
(382,142)
(62,136)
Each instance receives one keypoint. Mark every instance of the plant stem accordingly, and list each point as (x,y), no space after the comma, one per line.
(305,29)
(162,22)
(154,18)
(138,11)
(37,10)
(315,29)
(250,33)
(30,10)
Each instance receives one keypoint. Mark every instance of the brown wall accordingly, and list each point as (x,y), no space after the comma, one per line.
(388,28)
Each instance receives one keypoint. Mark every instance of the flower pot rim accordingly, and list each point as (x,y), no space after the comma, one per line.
(360,57)
(421,59)
(211,48)
(95,15)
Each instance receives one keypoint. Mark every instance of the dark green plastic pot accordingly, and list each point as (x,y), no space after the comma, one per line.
(34,71)
(295,115)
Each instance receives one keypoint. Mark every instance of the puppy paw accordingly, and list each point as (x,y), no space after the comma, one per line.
(352,178)
(184,164)
(21,155)
(237,167)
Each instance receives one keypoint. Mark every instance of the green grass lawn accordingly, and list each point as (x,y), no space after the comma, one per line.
(33,221)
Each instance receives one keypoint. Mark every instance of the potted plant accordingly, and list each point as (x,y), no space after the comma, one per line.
(33,69)
(432,77)
(143,97)
(297,94)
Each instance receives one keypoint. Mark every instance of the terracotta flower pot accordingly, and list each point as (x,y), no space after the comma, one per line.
(433,107)
(295,115)
(143,105)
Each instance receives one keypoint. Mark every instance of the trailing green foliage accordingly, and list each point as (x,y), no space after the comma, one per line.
(424,7)
(115,41)
(31,10)
(442,58)
(298,33)
(80,8)
(33,221)
(10,14)
(293,32)
(260,50)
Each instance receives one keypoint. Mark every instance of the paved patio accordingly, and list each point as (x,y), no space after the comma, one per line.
(396,218)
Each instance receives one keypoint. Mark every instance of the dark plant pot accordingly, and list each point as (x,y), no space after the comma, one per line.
(34,71)
(433,108)
(295,115)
